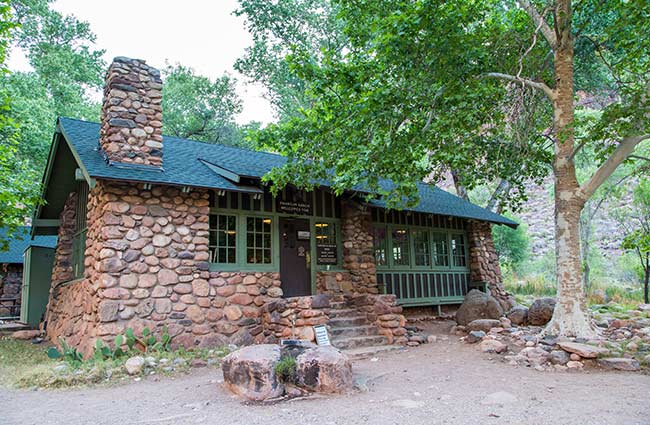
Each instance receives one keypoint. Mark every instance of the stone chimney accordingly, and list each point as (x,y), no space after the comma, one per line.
(131,131)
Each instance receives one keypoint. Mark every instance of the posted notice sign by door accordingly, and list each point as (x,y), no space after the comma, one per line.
(326,254)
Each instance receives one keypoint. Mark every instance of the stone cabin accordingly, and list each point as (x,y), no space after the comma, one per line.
(12,266)
(160,231)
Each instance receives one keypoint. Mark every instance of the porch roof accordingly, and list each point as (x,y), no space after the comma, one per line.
(19,242)
(213,166)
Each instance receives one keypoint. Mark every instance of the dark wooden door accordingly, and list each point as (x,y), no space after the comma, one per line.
(295,258)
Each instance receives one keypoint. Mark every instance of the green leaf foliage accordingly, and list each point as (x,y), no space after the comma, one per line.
(199,108)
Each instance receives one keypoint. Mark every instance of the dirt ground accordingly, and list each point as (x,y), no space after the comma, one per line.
(447,382)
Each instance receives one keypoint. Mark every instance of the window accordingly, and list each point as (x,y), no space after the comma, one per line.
(325,234)
(326,249)
(81,225)
(258,240)
(421,246)
(439,245)
(400,241)
(458,250)
(223,239)
(379,245)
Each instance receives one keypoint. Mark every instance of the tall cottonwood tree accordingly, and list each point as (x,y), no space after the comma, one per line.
(570,317)
(421,86)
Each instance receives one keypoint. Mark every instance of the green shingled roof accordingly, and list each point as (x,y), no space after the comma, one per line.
(19,242)
(189,163)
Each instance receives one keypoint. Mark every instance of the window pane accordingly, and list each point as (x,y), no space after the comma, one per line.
(458,250)
(258,240)
(223,238)
(325,234)
(421,242)
(379,241)
(400,247)
(439,250)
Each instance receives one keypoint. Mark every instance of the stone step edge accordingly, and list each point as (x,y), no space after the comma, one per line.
(365,352)
(358,338)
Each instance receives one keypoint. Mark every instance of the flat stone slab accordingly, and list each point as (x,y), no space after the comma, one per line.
(620,363)
(583,350)
(483,325)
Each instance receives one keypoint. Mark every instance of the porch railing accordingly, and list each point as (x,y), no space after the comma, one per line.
(9,308)
(422,288)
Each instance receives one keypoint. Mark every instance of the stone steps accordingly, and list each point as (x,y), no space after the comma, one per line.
(341,322)
(359,341)
(351,331)
(343,312)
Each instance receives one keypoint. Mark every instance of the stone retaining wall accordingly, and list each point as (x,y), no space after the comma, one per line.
(294,317)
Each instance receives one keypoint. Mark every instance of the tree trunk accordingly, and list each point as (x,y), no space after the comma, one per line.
(569,318)
(646,279)
(585,239)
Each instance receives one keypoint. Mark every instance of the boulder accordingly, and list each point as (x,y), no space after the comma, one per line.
(518,315)
(250,372)
(559,357)
(536,356)
(493,346)
(541,311)
(621,363)
(324,369)
(478,305)
(134,365)
(583,350)
(25,335)
(483,325)
(474,337)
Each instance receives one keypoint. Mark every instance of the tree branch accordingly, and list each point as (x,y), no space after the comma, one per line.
(530,83)
(493,204)
(620,154)
(538,21)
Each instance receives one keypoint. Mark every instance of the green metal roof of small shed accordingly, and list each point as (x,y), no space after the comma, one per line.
(184,164)
(19,242)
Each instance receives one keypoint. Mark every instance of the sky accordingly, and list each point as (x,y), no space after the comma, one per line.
(202,34)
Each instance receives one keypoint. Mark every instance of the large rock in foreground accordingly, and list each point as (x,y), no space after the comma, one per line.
(324,370)
(478,305)
(541,311)
(250,372)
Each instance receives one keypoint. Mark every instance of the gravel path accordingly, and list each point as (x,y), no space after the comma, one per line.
(442,383)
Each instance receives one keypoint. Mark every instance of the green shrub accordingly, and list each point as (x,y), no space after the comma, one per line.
(285,369)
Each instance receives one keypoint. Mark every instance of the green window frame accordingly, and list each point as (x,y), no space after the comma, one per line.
(325,233)
(259,240)
(223,239)
(440,249)
(400,247)
(458,249)
(81,228)
(421,247)
(380,245)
